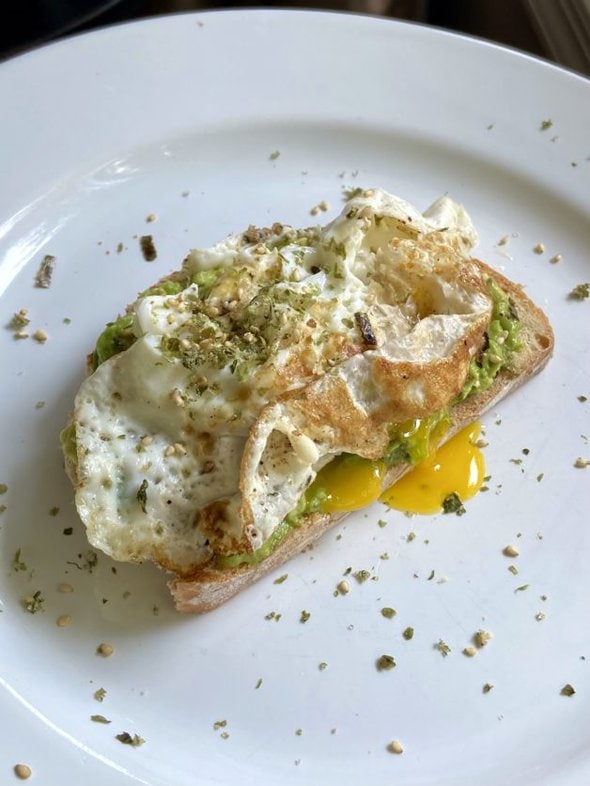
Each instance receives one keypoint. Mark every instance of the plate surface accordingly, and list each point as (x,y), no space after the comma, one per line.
(213,122)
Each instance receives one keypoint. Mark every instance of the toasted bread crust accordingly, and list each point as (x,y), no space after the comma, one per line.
(210,587)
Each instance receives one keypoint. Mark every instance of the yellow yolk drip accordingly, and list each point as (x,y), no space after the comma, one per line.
(458,466)
(350,483)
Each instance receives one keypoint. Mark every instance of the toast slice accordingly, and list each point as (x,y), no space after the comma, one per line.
(214,402)
(210,587)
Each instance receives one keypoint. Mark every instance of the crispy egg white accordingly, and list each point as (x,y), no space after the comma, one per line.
(288,348)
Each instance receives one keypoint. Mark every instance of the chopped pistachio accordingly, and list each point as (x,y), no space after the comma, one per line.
(388,612)
(487,687)
(323,665)
(3,488)
(343,587)
(40,336)
(362,575)
(99,694)
(105,650)
(22,771)
(220,724)
(382,523)
(513,569)
(408,634)
(274,155)
(539,248)
(545,125)
(567,690)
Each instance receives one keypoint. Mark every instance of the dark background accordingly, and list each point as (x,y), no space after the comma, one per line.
(529,25)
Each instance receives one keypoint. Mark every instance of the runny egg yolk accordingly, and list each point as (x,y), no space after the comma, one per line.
(458,466)
(349,483)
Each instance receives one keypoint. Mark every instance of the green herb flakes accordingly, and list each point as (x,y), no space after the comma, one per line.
(34,603)
(442,647)
(352,192)
(567,690)
(487,687)
(17,562)
(545,125)
(282,578)
(322,666)
(99,719)
(142,495)
(385,663)
(408,634)
(127,739)
(220,724)
(522,588)
(100,694)
(3,488)
(580,292)
(388,612)
(381,523)
(452,504)
(19,320)
(305,615)
(513,569)
(258,683)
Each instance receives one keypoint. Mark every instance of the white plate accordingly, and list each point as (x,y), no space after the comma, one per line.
(101,130)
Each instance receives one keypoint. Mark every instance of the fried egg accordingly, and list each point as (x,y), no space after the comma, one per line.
(279,351)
